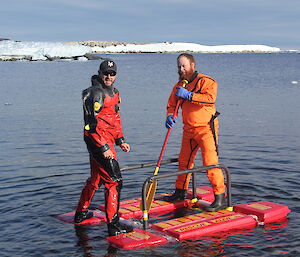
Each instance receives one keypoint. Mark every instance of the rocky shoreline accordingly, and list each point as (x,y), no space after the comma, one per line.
(94,43)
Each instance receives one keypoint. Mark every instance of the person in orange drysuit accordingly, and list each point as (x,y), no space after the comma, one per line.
(200,129)
(102,130)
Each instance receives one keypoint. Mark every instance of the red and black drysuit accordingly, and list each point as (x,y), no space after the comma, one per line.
(102,130)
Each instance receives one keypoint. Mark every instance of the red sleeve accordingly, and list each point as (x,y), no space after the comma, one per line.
(119,136)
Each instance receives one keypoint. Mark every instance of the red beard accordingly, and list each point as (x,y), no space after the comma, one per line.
(186,75)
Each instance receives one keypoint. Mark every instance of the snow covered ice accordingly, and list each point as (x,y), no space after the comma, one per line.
(41,50)
(13,50)
(182,47)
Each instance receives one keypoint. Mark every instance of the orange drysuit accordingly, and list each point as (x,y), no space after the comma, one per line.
(200,130)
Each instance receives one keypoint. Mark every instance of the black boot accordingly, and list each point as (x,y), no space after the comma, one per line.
(219,203)
(179,195)
(82,215)
(116,228)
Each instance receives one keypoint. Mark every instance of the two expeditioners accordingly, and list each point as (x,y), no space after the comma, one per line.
(103,129)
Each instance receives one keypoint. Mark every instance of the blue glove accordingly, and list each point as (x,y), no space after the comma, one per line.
(183,93)
(170,122)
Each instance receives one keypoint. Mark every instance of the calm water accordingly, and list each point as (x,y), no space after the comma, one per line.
(44,162)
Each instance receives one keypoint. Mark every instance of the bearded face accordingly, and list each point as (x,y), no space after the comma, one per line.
(108,78)
(186,69)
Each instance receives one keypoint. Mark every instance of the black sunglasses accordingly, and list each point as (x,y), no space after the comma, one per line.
(111,73)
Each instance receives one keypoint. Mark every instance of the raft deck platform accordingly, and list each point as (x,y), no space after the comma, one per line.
(190,226)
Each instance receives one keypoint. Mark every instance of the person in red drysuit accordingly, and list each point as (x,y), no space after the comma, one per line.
(102,130)
(200,128)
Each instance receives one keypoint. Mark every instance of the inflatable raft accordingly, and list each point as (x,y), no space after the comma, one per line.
(193,224)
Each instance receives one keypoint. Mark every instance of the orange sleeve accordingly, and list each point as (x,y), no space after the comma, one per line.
(206,91)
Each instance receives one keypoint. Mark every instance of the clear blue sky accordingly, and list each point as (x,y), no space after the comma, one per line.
(207,22)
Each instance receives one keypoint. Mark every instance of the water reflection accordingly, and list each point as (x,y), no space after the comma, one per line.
(85,242)
(111,251)
(196,248)
(211,246)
